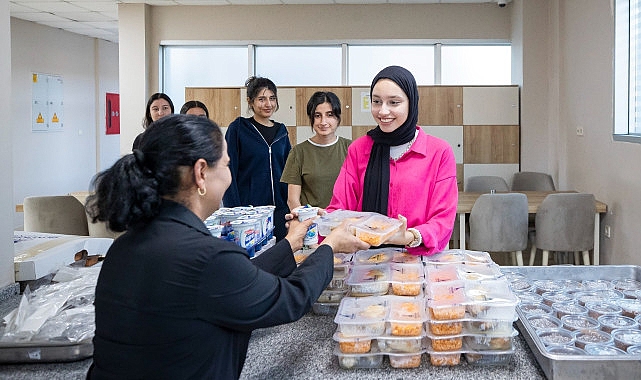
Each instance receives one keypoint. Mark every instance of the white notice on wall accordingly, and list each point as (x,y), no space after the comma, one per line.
(47,103)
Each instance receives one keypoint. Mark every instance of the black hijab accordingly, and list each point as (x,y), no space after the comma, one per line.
(376,183)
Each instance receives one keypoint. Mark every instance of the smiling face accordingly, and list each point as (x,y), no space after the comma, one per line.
(325,122)
(264,104)
(159,108)
(390,105)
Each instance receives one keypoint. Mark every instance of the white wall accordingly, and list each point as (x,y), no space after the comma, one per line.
(6,175)
(65,161)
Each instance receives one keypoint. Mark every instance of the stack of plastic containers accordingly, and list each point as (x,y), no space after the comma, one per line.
(250,227)
(330,298)
(400,306)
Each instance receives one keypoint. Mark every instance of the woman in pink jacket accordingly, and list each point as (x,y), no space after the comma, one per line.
(400,171)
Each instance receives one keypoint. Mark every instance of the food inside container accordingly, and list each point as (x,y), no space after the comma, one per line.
(374,256)
(445,359)
(478,272)
(626,284)
(407,279)
(341,264)
(546,285)
(624,338)
(399,344)
(368,280)
(362,317)
(574,322)
(608,295)
(529,297)
(406,258)
(556,337)
(488,342)
(494,327)
(562,309)
(613,322)
(376,229)
(597,309)
(540,322)
(372,359)
(405,360)
(490,299)
(602,350)
(535,309)
(596,284)
(331,296)
(352,345)
(552,297)
(460,256)
(584,337)
(447,343)
(441,273)
(630,307)
(445,327)
(488,358)
(406,317)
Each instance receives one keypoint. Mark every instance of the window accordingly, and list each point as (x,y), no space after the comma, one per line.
(627,71)
(476,65)
(300,65)
(367,60)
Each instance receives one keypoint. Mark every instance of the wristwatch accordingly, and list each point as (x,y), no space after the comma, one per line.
(418,239)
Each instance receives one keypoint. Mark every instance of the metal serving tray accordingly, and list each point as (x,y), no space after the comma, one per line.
(584,367)
(45,352)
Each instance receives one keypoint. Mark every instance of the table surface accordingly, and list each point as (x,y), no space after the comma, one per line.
(534,198)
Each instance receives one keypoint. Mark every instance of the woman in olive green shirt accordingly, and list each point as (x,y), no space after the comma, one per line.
(313,165)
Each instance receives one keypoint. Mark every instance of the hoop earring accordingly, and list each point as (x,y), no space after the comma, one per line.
(202,191)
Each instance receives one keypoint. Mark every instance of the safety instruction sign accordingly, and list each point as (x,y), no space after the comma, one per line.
(47,103)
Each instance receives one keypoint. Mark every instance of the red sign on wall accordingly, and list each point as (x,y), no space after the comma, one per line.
(112,114)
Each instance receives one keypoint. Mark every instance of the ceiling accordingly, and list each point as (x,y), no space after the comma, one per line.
(99,18)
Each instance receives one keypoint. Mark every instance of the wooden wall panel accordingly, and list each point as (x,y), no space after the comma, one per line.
(358,131)
(440,105)
(491,144)
(304,93)
(292,135)
(223,104)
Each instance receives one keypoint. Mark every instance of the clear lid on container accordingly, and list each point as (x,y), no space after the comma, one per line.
(362,310)
(560,296)
(404,309)
(592,336)
(340,337)
(602,349)
(368,274)
(461,256)
(535,308)
(479,272)
(602,308)
(569,307)
(446,294)
(441,273)
(550,285)
(342,259)
(630,337)
(634,350)
(374,256)
(565,350)
(630,306)
(490,293)
(522,286)
(556,337)
(626,284)
(407,273)
(401,256)
(610,295)
(617,321)
(596,284)
(544,321)
(529,297)
(331,220)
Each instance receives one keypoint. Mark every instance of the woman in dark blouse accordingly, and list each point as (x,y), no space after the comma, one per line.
(172,301)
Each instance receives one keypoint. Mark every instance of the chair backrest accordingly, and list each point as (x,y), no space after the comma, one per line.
(98,229)
(565,222)
(486,183)
(499,223)
(59,214)
(532,181)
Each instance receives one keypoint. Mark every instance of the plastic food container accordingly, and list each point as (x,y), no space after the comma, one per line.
(596,284)
(445,359)
(556,337)
(529,297)
(630,307)
(613,322)
(399,344)
(485,342)
(362,317)
(597,309)
(405,258)
(376,229)
(447,343)
(405,360)
(341,263)
(352,345)
(491,299)
(407,279)
(551,297)
(565,350)
(373,359)
(608,295)
(445,327)
(540,322)
(521,286)
(543,286)
(634,350)
(488,358)
(562,309)
(579,322)
(602,350)
(478,272)
(624,338)
(446,300)
(626,284)
(441,273)
(406,317)
(368,280)
(338,282)
(535,309)
(459,256)
(584,337)
(331,296)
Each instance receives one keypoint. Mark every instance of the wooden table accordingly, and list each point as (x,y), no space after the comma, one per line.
(534,198)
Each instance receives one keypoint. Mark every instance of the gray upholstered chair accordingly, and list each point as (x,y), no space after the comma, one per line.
(532,181)
(498,223)
(565,223)
(59,214)
(98,229)
(486,183)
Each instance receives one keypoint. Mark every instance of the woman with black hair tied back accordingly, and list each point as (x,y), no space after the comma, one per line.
(172,301)
(400,171)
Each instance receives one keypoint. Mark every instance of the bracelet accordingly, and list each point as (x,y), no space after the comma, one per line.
(418,239)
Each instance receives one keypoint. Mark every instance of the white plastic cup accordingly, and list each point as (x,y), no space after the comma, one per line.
(304,213)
